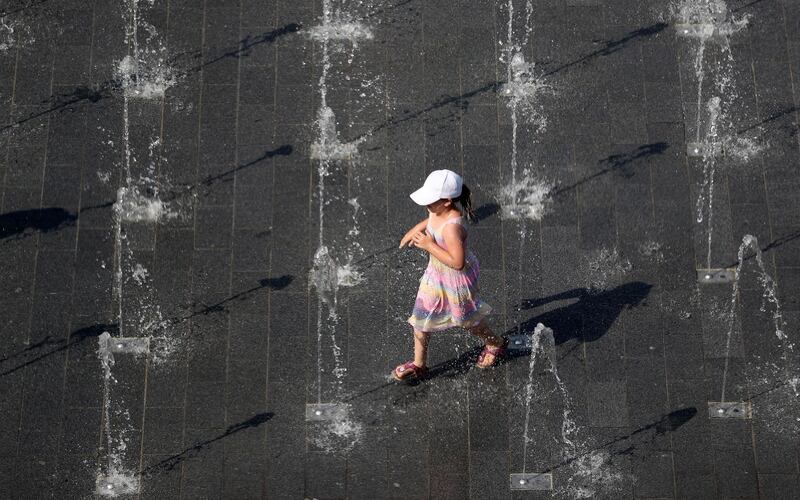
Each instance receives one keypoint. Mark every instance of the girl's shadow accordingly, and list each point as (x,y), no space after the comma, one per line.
(589,318)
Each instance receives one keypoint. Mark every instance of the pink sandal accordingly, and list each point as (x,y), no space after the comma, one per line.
(497,352)
(408,371)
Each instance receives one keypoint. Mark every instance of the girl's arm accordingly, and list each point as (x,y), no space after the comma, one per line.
(406,240)
(421,225)
(453,237)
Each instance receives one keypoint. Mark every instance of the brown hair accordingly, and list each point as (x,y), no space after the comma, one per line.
(465,200)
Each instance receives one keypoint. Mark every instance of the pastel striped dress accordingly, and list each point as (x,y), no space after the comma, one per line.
(448,297)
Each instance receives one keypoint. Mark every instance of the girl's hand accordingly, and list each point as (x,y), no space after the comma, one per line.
(422,240)
(406,241)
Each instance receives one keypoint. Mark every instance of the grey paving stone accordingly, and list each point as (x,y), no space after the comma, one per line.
(695,485)
(654,476)
(72,475)
(777,485)
(284,459)
(162,483)
(199,479)
(244,476)
(773,457)
(166,386)
(737,475)
(607,407)
(163,432)
(199,412)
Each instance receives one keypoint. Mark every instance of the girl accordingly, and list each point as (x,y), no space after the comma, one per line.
(447,295)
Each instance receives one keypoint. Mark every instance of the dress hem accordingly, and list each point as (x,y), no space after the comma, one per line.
(483,311)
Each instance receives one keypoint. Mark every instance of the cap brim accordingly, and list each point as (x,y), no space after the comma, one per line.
(424,197)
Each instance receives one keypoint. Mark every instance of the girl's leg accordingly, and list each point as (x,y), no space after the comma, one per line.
(483,331)
(404,371)
(421,340)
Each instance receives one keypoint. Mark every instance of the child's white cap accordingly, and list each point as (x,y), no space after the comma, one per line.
(439,184)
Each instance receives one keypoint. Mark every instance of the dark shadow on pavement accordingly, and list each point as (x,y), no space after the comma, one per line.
(450,368)
(80,95)
(789,125)
(221,306)
(54,218)
(397,258)
(226,176)
(611,46)
(106,89)
(243,49)
(457,366)
(485,211)
(462,101)
(189,189)
(59,345)
(778,384)
(771,118)
(620,163)
(643,435)
(170,463)
(284,150)
(372,259)
(40,219)
(459,101)
(589,318)
(769,246)
(742,7)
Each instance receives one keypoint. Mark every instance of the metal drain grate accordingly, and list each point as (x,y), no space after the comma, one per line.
(520,342)
(325,411)
(129,345)
(729,409)
(532,481)
(699,149)
(715,276)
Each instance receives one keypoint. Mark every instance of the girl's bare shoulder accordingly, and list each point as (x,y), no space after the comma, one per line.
(444,220)
(455,228)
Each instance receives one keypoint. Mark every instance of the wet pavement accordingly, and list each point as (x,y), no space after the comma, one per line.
(202,295)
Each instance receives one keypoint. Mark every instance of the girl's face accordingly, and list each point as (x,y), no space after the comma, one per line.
(437,207)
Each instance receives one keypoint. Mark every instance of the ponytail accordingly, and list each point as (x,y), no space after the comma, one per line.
(465,200)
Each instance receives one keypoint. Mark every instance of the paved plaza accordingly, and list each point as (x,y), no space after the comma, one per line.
(202,294)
